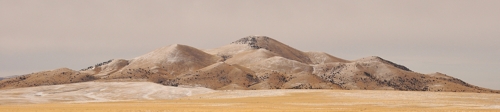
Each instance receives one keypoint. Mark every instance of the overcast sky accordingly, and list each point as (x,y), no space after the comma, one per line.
(458,38)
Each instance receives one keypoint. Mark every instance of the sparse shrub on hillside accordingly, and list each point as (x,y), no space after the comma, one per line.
(224,56)
(97,65)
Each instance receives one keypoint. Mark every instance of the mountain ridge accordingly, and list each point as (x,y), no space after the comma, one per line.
(253,62)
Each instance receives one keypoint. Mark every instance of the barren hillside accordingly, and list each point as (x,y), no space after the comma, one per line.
(253,62)
(51,77)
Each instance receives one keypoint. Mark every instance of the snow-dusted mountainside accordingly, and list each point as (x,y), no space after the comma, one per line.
(253,62)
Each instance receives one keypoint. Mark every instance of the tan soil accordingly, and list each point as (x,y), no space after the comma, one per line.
(287,101)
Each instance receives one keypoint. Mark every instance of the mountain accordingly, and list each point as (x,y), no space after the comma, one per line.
(253,62)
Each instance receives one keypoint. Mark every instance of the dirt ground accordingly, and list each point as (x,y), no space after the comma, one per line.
(285,101)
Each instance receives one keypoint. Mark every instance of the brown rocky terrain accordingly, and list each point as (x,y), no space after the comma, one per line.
(52,77)
(253,62)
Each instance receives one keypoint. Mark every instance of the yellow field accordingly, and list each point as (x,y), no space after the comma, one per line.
(286,101)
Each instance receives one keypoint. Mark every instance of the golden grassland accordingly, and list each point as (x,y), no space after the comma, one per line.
(291,101)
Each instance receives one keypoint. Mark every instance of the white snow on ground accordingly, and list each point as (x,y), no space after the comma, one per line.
(125,91)
(96,92)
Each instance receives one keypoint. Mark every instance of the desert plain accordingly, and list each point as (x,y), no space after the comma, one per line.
(108,97)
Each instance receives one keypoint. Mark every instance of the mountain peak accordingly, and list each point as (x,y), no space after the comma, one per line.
(250,39)
(270,44)
(253,41)
(175,53)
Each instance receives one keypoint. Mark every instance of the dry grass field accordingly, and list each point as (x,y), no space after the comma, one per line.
(285,101)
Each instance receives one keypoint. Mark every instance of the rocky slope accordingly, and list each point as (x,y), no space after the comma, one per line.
(253,62)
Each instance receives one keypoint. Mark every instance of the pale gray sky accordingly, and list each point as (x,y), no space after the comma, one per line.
(458,38)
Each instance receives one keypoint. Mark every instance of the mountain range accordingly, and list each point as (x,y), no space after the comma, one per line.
(251,63)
